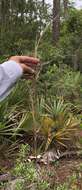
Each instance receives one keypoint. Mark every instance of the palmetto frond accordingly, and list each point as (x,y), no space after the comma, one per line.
(53,122)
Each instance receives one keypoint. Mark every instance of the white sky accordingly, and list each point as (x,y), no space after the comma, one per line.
(78,3)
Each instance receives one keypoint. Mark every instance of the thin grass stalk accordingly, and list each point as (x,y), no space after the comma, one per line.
(32,100)
(33,89)
(33,93)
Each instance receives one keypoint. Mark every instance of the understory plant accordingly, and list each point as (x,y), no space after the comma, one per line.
(46,114)
(29,175)
(55,123)
(26,172)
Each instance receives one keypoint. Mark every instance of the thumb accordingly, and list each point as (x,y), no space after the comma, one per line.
(27,69)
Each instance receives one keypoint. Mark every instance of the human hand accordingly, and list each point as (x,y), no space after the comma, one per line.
(28,64)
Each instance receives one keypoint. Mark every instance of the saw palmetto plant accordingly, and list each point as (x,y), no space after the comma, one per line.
(54,123)
(59,125)
(9,119)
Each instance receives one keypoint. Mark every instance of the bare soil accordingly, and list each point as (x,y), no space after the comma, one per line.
(64,171)
(60,172)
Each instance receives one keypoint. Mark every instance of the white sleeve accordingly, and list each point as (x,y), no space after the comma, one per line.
(10,72)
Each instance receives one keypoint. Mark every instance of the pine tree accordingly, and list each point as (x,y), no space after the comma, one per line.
(56,20)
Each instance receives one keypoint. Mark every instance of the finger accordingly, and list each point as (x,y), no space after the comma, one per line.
(33,66)
(27,69)
(31,77)
(26,59)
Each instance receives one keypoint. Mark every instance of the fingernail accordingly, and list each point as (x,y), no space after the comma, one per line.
(33,72)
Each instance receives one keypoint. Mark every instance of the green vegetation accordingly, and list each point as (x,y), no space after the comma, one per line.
(44,113)
(28,177)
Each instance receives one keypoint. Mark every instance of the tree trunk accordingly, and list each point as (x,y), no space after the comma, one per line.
(65,8)
(43,2)
(56,20)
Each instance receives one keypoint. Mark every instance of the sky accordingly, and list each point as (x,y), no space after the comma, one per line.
(78,3)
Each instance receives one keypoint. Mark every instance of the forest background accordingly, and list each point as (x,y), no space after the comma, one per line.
(47,111)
